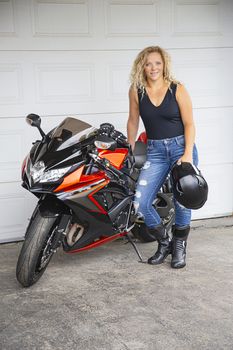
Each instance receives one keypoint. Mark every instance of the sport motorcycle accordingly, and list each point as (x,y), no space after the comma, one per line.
(84,178)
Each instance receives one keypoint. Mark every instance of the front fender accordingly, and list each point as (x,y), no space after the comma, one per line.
(51,206)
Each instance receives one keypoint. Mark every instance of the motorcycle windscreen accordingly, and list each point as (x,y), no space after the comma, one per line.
(70,132)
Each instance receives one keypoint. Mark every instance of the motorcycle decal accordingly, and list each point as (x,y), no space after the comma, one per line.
(78,181)
(83,196)
(90,196)
(116,158)
(70,180)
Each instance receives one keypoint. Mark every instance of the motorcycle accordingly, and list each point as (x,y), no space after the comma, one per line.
(84,178)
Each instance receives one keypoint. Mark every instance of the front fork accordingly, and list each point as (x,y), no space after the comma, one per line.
(50,206)
(61,230)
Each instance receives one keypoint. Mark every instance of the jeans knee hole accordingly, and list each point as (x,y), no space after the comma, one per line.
(146,165)
(138,194)
(143,182)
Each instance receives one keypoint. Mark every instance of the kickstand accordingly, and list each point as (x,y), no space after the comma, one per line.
(135,248)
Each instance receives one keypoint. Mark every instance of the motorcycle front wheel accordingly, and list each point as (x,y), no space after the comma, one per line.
(37,249)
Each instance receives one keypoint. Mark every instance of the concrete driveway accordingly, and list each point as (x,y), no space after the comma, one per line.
(104,299)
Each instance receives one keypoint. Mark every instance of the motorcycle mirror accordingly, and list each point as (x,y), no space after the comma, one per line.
(35,120)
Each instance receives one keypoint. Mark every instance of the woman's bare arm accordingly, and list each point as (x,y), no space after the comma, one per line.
(133,120)
(186,110)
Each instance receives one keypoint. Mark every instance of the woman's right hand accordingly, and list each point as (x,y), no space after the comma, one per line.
(132,144)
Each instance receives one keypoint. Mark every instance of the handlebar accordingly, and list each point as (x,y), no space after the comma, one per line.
(106,165)
(109,130)
(119,137)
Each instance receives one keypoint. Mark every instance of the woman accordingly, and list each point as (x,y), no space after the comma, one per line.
(166,111)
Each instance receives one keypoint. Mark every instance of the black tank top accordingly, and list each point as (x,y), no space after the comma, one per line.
(164,121)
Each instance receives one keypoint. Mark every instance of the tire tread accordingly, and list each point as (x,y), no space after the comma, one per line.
(35,236)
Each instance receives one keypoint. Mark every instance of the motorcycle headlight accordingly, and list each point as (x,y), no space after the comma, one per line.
(37,170)
(39,174)
(54,175)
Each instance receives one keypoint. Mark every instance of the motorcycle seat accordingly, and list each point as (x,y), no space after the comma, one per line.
(139,154)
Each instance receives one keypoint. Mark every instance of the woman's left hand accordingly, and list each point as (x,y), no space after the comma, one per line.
(185,158)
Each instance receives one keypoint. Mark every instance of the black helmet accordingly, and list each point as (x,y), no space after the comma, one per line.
(189,186)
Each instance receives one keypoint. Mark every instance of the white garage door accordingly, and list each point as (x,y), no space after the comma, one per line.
(62,57)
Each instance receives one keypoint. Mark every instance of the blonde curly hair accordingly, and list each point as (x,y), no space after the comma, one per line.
(137,75)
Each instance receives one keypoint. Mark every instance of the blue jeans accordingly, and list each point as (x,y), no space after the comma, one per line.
(161,156)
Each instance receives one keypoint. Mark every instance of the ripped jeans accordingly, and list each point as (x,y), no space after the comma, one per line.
(161,156)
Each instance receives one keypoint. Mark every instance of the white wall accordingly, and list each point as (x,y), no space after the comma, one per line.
(63,57)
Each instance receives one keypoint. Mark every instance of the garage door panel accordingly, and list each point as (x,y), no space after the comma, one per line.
(10,154)
(62,83)
(201,78)
(124,18)
(118,25)
(11,91)
(69,18)
(200,71)
(214,135)
(7,23)
(117,81)
(16,207)
(203,21)
(15,141)
(220,196)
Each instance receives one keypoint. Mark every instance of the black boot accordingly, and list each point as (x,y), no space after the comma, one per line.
(179,243)
(164,245)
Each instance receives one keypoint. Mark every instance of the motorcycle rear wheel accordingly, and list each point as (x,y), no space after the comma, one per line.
(37,249)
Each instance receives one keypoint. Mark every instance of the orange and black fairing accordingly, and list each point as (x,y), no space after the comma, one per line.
(80,188)
(83,188)
(116,157)
(78,179)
